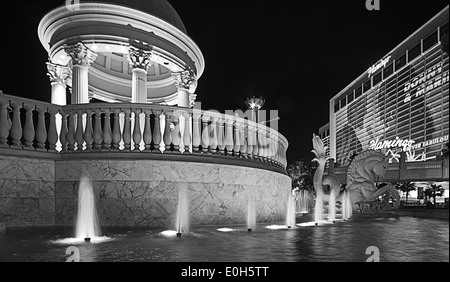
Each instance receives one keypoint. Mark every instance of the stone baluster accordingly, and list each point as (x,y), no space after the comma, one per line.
(28,131)
(214,140)
(137,135)
(243,134)
(221,136)
(270,148)
(98,133)
(147,131)
(262,148)
(157,137)
(255,142)
(187,132)
(249,141)
(167,137)
(79,132)
(64,132)
(229,142)
(205,134)
(176,133)
(4,130)
(41,130)
(127,130)
(89,132)
(16,127)
(196,136)
(237,138)
(52,131)
(116,135)
(71,133)
(107,132)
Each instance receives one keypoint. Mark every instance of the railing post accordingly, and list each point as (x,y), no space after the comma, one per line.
(157,137)
(167,137)
(214,139)
(52,131)
(107,132)
(98,133)
(205,134)
(89,132)
(176,134)
(127,130)
(16,127)
(28,131)
(221,136)
(196,136)
(255,152)
(116,135)
(187,132)
(148,131)
(41,131)
(250,141)
(243,148)
(229,141)
(4,130)
(64,132)
(237,138)
(137,135)
(71,133)
(80,131)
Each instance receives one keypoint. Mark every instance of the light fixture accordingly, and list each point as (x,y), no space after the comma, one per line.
(255,103)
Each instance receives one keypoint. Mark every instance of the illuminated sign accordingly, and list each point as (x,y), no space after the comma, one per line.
(389,144)
(432,142)
(373,69)
(425,82)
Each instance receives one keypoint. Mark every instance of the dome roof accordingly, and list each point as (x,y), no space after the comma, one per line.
(158,8)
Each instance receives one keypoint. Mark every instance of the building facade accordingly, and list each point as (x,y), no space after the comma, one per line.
(400,104)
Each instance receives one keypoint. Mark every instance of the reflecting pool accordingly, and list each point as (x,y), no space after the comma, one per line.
(404,239)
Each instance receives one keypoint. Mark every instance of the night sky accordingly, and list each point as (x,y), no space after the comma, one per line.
(295,54)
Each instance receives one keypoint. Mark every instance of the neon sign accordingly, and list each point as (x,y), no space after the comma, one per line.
(434,141)
(376,67)
(425,82)
(389,144)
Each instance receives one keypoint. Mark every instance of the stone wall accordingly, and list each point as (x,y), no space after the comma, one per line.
(145,193)
(27,191)
(36,192)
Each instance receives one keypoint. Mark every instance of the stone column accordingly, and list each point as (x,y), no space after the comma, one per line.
(140,62)
(82,58)
(59,76)
(184,81)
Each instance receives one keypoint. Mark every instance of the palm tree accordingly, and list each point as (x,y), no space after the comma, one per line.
(434,190)
(405,187)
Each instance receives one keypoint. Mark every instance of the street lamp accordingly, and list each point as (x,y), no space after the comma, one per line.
(255,104)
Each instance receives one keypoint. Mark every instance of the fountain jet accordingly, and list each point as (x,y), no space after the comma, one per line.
(182,220)
(87,219)
(251,215)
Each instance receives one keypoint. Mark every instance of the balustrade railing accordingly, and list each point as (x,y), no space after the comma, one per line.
(26,124)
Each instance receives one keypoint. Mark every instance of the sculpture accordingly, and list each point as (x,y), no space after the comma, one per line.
(361,175)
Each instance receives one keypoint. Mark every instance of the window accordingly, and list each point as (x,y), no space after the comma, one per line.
(350,97)
(430,41)
(336,106)
(358,92)
(344,102)
(388,71)
(377,78)
(414,52)
(367,85)
(400,62)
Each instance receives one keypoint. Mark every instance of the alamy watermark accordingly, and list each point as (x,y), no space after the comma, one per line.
(373,5)
(74,253)
(374,253)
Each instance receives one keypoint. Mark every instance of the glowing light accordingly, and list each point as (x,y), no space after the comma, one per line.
(225,230)
(71,241)
(169,233)
(62,57)
(107,48)
(95,47)
(276,227)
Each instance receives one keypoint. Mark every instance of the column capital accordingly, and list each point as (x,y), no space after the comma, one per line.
(58,74)
(80,54)
(192,99)
(139,59)
(184,80)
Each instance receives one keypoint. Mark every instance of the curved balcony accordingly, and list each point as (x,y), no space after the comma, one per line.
(137,131)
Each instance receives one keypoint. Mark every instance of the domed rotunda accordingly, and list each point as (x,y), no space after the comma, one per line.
(120,51)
